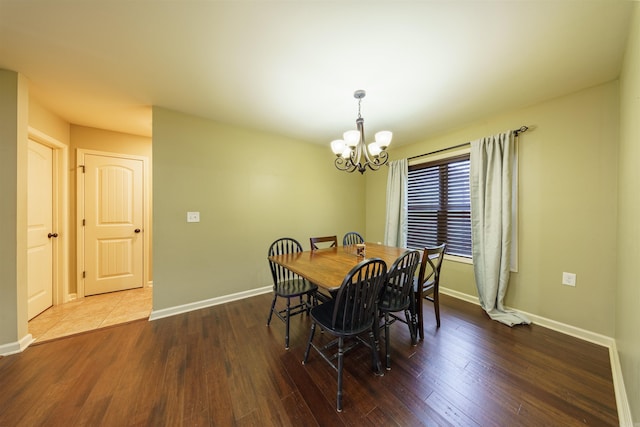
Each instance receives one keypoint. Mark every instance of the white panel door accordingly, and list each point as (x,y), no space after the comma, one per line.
(113,224)
(39,229)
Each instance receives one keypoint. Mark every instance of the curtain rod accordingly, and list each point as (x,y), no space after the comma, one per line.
(515,131)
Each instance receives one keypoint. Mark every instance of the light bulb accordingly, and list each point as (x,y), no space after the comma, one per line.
(374,149)
(383,138)
(351,137)
(338,146)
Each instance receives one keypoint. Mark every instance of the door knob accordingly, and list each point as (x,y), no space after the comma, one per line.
(137,230)
(50,235)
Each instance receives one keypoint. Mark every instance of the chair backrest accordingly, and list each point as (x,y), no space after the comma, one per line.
(326,239)
(429,275)
(398,288)
(355,302)
(284,245)
(352,238)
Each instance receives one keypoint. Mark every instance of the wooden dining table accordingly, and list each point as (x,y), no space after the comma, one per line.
(327,267)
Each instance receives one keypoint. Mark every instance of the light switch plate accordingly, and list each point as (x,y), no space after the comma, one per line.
(193,216)
(568,279)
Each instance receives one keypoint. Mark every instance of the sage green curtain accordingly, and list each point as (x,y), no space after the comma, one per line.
(395,231)
(490,179)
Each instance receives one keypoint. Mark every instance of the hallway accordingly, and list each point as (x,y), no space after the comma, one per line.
(91,313)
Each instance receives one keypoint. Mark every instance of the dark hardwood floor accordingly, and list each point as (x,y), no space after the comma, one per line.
(222,366)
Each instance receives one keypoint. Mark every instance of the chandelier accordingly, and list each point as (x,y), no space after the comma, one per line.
(352,153)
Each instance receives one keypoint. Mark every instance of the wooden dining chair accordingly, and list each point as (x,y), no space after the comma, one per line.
(428,283)
(288,285)
(333,240)
(352,238)
(397,296)
(352,312)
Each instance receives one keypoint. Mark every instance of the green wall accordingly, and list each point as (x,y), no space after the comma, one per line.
(567,207)
(250,189)
(14,106)
(627,313)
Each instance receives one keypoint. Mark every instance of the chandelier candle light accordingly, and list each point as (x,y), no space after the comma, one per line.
(352,153)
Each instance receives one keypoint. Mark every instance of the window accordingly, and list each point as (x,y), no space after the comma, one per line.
(439,205)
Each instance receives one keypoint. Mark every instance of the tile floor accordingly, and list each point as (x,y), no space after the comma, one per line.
(90,313)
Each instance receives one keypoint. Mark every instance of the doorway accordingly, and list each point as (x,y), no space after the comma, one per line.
(73,311)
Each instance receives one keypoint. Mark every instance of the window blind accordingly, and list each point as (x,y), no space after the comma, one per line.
(439,205)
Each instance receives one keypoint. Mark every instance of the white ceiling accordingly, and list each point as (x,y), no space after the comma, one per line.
(291,67)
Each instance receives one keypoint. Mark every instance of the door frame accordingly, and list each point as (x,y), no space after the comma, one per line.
(146,197)
(60,214)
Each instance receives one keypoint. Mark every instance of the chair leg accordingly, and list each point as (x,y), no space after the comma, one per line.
(413,329)
(311,302)
(376,332)
(436,306)
(411,323)
(418,309)
(306,352)
(340,364)
(374,352)
(273,304)
(286,328)
(387,345)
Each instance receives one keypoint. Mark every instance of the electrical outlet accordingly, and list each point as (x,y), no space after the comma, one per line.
(569,279)
(193,216)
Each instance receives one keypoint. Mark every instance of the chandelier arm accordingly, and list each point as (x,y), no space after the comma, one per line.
(345,165)
(379,161)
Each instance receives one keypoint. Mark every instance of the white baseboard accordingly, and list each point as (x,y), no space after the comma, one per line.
(460,295)
(185,308)
(17,346)
(624,411)
(622,403)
